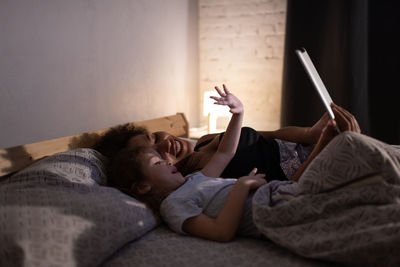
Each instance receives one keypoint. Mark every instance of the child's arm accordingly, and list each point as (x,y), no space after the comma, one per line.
(224,227)
(228,145)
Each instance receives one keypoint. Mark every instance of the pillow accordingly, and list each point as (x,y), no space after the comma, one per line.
(56,212)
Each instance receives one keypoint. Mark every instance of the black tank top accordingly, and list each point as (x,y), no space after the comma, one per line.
(253,152)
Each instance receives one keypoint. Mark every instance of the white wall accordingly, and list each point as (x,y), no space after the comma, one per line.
(242,44)
(71,66)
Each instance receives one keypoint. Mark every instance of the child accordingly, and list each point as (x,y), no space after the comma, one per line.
(197,204)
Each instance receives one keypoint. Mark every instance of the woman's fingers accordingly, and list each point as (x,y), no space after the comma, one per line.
(261,175)
(343,122)
(354,126)
(253,172)
(325,117)
(345,119)
(343,111)
(347,116)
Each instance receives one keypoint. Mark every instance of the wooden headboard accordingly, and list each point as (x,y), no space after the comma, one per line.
(15,158)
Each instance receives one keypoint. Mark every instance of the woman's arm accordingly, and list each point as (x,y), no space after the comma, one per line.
(289,133)
(302,135)
(224,227)
(296,134)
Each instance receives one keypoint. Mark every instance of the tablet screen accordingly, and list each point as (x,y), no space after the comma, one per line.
(316,80)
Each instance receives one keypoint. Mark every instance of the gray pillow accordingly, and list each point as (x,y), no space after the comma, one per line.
(57,213)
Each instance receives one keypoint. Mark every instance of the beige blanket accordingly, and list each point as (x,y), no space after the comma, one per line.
(345,207)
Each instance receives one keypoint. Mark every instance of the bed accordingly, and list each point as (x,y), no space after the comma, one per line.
(55,210)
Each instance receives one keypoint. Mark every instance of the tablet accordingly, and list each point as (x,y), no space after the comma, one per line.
(316,80)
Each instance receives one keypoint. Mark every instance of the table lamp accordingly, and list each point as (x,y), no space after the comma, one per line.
(213,111)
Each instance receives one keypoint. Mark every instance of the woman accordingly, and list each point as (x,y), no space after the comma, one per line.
(280,154)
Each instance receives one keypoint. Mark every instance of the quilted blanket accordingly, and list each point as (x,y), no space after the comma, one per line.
(345,207)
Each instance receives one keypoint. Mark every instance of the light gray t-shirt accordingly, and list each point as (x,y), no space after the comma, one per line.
(202,194)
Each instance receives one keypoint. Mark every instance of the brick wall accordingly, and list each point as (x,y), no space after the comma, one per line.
(241,44)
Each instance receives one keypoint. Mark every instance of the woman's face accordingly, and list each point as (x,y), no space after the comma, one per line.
(170,148)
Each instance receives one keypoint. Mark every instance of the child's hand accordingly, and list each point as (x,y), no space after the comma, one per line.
(228,99)
(253,180)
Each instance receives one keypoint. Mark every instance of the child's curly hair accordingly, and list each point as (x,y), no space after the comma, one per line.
(125,173)
(116,138)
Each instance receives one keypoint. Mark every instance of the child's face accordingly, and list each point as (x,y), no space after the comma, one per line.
(162,175)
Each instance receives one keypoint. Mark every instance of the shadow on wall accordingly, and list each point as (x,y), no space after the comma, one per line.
(86,140)
(13,159)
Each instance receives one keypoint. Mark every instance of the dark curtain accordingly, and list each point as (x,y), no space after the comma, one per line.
(354,46)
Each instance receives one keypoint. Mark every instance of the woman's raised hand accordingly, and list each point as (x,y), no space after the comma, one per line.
(315,131)
(345,120)
(228,99)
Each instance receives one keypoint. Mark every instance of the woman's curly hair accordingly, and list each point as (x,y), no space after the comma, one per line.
(115,139)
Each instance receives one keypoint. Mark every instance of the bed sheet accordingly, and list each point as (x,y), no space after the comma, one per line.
(162,247)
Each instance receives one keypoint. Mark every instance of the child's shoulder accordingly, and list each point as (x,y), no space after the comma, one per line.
(196,176)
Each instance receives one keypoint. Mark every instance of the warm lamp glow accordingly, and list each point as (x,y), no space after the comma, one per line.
(213,111)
